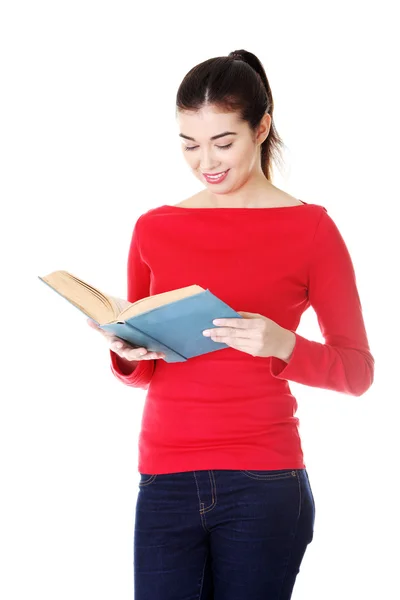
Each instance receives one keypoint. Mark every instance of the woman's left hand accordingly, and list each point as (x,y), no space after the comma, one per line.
(255,334)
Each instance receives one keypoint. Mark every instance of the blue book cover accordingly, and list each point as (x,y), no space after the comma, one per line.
(177,328)
(174,328)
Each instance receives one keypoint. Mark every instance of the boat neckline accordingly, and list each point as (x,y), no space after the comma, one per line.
(230,208)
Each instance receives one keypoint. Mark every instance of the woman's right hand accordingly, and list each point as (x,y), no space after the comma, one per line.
(122,348)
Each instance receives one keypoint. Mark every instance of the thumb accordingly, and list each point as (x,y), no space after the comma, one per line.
(92,323)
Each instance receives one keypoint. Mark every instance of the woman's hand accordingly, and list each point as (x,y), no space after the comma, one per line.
(122,348)
(255,334)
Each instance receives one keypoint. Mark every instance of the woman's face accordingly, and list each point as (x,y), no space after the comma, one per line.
(237,152)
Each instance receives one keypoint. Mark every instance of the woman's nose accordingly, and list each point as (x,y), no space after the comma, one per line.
(207,166)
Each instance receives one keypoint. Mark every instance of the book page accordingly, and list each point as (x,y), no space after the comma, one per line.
(157,300)
(119,305)
(91,301)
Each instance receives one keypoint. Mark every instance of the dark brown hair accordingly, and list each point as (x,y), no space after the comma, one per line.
(234,83)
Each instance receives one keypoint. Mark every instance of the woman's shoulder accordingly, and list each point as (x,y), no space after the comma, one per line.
(201,200)
(279,199)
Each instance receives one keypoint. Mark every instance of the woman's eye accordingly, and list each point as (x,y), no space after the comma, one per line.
(220,147)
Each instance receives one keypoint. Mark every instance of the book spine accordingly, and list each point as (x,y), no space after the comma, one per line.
(143,339)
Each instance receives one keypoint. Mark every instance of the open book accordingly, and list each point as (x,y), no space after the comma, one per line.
(171,322)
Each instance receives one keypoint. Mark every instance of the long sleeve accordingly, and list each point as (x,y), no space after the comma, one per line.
(138,287)
(344,362)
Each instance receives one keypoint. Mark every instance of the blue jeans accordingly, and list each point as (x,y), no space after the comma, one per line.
(221,534)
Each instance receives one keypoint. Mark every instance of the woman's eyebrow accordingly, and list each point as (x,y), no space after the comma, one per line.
(214,137)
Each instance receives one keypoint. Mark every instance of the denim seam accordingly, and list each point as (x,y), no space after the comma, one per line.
(297,524)
(202,577)
(148,481)
(268,477)
(201,504)
(309,485)
(300,496)
(213,493)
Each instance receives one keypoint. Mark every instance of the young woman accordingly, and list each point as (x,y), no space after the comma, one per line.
(225,509)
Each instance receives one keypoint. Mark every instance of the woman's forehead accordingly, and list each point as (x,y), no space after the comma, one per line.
(207,123)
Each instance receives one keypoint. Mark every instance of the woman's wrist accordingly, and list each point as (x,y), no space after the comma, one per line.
(288,344)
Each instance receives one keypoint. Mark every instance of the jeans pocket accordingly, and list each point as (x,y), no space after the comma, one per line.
(271,475)
(146,479)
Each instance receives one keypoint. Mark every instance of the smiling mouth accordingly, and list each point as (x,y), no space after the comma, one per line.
(216,178)
(213,174)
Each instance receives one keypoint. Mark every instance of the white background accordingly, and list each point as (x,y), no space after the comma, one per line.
(89,142)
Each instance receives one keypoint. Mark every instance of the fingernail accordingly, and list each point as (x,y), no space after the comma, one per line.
(118,345)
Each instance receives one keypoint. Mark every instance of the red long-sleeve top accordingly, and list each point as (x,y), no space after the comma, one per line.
(228,409)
